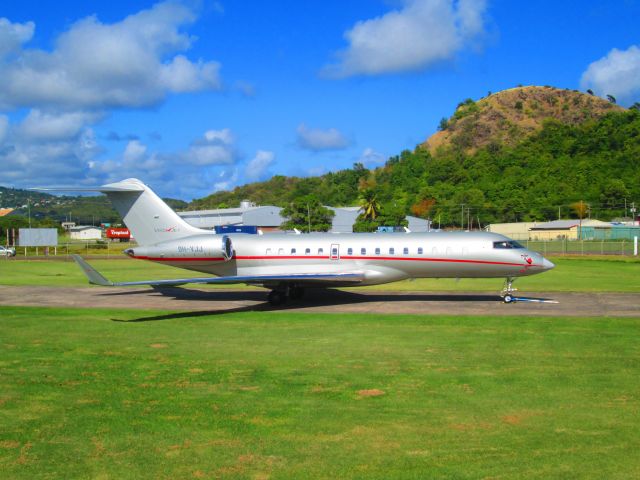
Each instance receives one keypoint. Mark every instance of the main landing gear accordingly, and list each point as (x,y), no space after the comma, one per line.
(279,296)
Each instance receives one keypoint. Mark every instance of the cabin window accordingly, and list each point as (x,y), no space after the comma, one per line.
(307,251)
(392,251)
(281,251)
(419,250)
(334,251)
(377,251)
(320,251)
(405,250)
(507,244)
(363,251)
(268,251)
(349,251)
(293,251)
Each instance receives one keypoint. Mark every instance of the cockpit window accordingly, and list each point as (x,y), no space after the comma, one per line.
(507,244)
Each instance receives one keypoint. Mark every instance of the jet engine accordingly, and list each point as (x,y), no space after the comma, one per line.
(197,247)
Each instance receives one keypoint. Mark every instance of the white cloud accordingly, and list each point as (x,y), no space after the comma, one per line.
(91,69)
(134,151)
(420,34)
(223,136)
(132,63)
(13,35)
(42,126)
(215,147)
(371,158)
(258,165)
(208,164)
(4,127)
(55,159)
(317,139)
(617,74)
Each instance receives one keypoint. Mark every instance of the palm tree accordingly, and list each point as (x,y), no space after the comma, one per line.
(369,202)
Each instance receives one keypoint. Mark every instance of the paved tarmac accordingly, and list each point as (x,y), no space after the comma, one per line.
(207,301)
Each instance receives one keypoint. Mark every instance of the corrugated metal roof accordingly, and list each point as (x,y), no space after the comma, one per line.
(568,224)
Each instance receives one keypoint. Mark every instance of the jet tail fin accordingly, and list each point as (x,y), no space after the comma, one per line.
(148,217)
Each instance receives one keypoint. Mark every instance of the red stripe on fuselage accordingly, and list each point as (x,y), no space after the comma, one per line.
(343,257)
(179,259)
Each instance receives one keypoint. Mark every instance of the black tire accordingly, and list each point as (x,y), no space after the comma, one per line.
(296,293)
(276,298)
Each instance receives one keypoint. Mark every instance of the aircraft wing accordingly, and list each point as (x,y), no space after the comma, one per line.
(96,278)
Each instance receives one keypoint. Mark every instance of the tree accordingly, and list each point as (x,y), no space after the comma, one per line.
(613,193)
(369,202)
(580,208)
(444,124)
(611,98)
(307,214)
(590,92)
(422,208)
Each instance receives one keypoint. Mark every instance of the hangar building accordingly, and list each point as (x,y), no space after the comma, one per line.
(265,218)
(85,232)
(268,218)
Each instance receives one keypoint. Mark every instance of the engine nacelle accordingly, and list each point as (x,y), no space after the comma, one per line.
(205,247)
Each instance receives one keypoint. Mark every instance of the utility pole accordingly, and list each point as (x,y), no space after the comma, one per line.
(29,210)
(559,212)
(462,216)
(309,217)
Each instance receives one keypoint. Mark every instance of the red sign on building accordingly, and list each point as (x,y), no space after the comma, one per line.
(118,233)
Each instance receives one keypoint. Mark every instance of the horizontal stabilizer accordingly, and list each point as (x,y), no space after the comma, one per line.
(309,278)
(123,186)
(92,274)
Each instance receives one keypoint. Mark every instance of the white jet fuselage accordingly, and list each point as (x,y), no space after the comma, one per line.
(379,257)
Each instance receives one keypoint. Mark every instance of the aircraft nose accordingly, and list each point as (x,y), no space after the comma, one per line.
(547,265)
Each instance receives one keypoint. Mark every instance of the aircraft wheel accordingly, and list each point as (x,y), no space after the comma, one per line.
(296,293)
(507,299)
(276,297)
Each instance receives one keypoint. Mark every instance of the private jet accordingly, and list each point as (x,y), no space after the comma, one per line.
(287,263)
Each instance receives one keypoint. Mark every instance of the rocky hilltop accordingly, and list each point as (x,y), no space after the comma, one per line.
(509,116)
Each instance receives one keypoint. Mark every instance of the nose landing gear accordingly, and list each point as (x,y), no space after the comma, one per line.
(508,290)
(508,297)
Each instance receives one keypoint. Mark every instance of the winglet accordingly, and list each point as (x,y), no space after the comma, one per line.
(92,274)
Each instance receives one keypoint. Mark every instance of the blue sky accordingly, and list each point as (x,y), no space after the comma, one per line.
(197,96)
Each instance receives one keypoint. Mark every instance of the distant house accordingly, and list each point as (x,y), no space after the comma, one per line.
(5,211)
(516,230)
(567,229)
(85,232)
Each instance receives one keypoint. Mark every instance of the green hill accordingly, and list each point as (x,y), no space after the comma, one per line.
(520,155)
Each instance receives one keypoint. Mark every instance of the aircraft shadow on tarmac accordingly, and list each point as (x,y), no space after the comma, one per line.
(313,298)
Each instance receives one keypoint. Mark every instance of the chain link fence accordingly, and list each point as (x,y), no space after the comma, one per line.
(581,247)
(80,248)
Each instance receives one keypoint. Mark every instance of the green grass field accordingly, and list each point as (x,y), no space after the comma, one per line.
(106,394)
(578,274)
